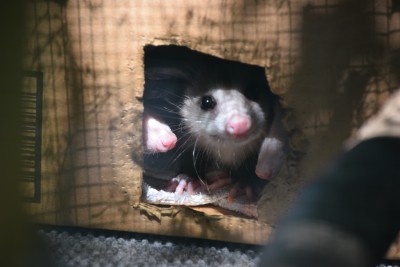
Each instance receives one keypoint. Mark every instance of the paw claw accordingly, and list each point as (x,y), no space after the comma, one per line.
(182,183)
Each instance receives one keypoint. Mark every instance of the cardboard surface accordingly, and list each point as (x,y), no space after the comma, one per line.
(331,62)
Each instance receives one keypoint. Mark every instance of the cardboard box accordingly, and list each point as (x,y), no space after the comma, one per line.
(330,61)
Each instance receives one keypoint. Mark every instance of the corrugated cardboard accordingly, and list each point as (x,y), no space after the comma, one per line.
(330,61)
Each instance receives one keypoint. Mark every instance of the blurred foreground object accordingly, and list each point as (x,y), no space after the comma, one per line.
(385,123)
(18,244)
(350,214)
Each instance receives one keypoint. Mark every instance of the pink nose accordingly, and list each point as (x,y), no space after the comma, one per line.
(238,125)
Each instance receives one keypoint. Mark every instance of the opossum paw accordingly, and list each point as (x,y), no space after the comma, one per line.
(217,180)
(251,193)
(250,190)
(182,183)
(159,137)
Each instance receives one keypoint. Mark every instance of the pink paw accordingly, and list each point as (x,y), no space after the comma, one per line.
(217,180)
(158,137)
(182,183)
(249,192)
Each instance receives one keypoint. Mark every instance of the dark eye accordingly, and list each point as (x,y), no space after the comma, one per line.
(208,102)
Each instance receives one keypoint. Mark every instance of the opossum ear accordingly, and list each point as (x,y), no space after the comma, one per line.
(270,158)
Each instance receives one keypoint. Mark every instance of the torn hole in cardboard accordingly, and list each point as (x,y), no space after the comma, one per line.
(212,131)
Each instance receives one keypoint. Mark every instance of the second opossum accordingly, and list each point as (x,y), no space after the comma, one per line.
(229,129)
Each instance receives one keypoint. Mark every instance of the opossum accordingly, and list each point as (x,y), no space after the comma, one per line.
(227,128)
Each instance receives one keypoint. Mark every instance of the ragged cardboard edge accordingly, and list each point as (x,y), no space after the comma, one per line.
(218,198)
(152,195)
(250,210)
(154,212)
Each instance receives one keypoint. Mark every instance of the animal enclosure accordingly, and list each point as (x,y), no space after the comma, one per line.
(331,62)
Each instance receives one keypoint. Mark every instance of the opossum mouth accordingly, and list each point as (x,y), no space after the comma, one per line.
(229,138)
(237,139)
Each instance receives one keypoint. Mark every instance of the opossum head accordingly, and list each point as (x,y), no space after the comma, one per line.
(224,122)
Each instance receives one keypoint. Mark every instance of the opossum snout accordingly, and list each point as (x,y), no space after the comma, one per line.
(238,125)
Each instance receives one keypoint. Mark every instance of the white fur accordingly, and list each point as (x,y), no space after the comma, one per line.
(208,128)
